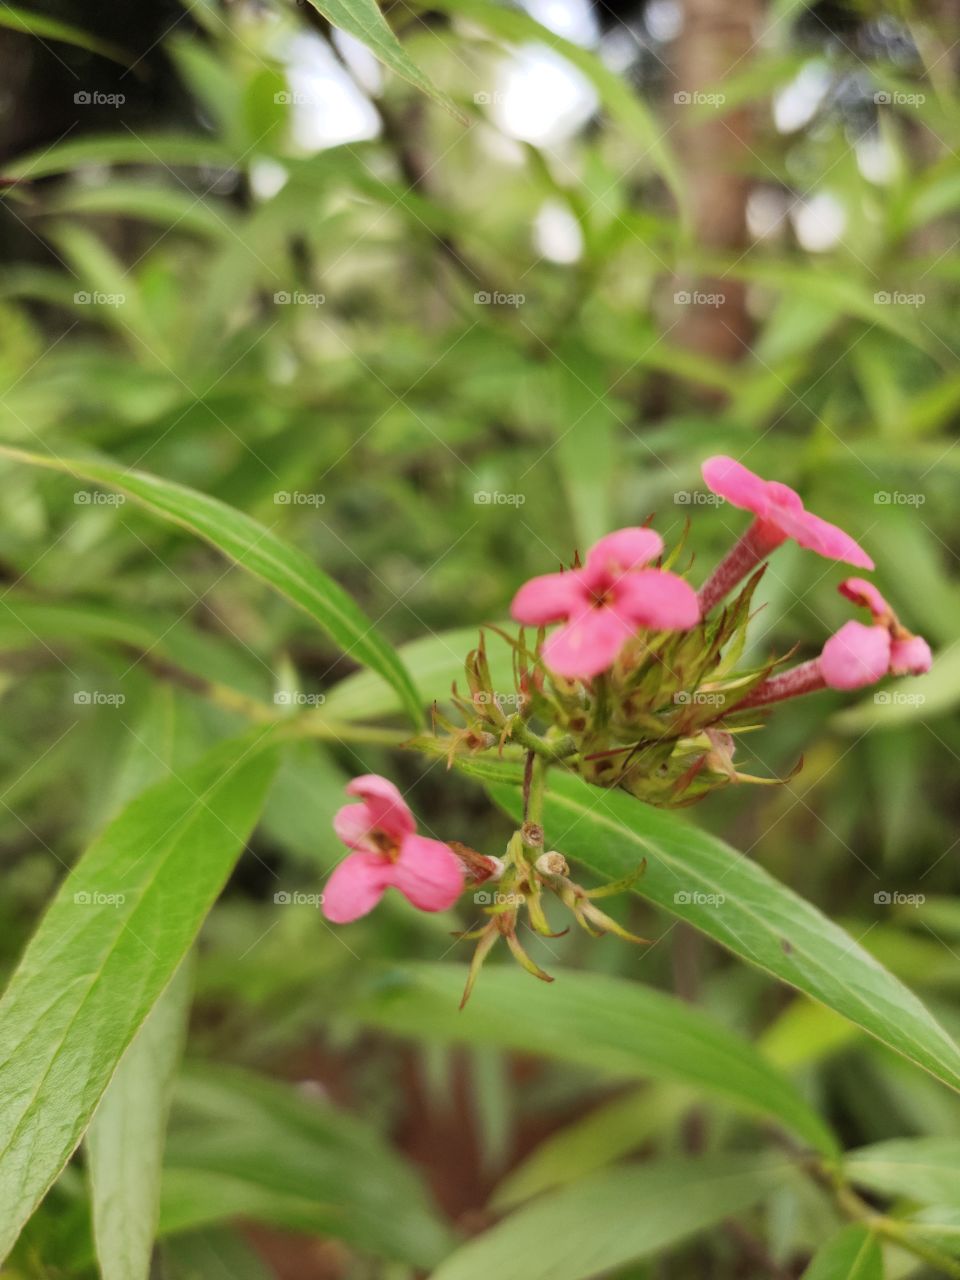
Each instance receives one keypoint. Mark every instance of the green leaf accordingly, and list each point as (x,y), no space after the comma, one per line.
(853,1254)
(164,149)
(45,28)
(613,1218)
(126,1136)
(363,20)
(434,663)
(110,942)
(620,1027)
(242,1144)
(252,546)
(925,1169)
(604,1135)
(697,877)
(212,1255)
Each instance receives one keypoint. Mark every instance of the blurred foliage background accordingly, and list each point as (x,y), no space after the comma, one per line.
(439,357)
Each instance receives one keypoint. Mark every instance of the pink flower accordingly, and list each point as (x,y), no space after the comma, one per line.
(859,655)
(382,833)
(780,512)
(605,603)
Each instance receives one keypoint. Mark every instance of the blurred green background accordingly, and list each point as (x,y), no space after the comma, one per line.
(440,357)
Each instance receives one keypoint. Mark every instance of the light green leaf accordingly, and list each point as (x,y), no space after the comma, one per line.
(363,20)
(613,1218)
(252,546)
(606,1134)
(854,1254)
(126,1136)
(622,1028)
(116,931)
(164,149)
(728,897)
(434,663)
(925,1169)
(242,1144)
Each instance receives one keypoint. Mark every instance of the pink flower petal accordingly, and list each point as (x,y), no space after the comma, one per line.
(387,810)
(658,600)
(428,873)
(735,482)
(867,596)
(549,598)
(356,886)
(857,655)
(588,644)
(823,537)
(910,657)
(354,825)
(624,549)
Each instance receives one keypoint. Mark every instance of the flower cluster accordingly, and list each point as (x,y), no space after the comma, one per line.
(637,687)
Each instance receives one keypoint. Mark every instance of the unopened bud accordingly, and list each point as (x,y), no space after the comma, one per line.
(532,835)
(552,864)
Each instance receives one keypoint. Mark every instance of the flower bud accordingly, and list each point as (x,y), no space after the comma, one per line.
(552,864)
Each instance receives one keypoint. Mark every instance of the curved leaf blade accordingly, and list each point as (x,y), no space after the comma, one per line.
(619,1027)
(696,876)
(853,1254)
(610,1219)
(119,926)
(253,547)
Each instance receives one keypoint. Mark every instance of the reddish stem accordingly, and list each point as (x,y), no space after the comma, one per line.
(805,678)
(744,556)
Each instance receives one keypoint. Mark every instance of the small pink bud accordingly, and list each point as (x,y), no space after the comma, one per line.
(856,656)
(910,657)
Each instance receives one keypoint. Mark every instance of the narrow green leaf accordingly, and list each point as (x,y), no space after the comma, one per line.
(126,1137)
(363,20)
(725,895)
(44,28)
(853,1254)
(252,546)
(242,1144)
(116,931)
(613,1218)
(619,1027)
(925,1169)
